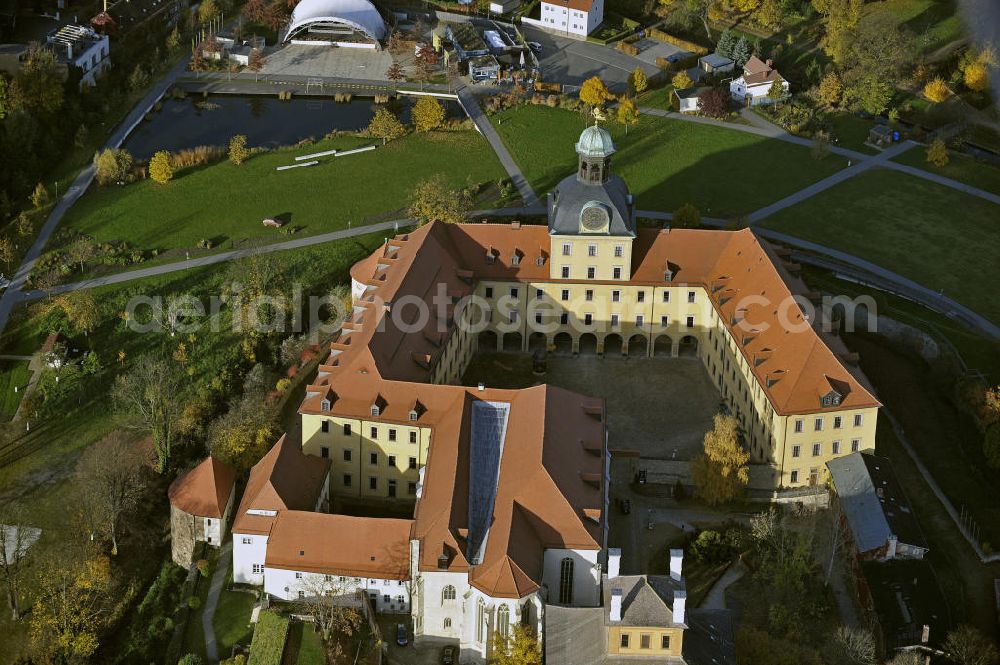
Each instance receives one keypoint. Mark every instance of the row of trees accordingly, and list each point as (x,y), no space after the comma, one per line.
(428,114)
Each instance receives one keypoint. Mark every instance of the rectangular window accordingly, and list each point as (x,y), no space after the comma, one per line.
(619,251)
(855,445)
(566,249)
(835,447)
(372,483)
(392,434)
(564,295)
(818,425)
(258,568)
(565,272)
(858,419)
(539,294)
(665,642)
(645,641)
(538,317)
(513,293)
(588,319)
(326,426)
(795,477)
(324,451)
(347,455)
(799,425)
(298,576)
(664,320)
(624,641)
(591,272)
(248,541)
(817,449)
(838,421)
(690,322)
(690,296)
(347,429)
(614,320)
(616,296)
(392,461)
(489,292)
(616,272)
(392,488)
(347,480)
(373,459)
(564,318)
(639,320)
(640,296)
(591,250)
(666,296)
(411,488)
(413,462)
(796,450)
(374,433)
(413,437)
(589,295)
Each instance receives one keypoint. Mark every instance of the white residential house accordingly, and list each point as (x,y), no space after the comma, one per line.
(82,47)
(201,502)
(573,18)
(753,87)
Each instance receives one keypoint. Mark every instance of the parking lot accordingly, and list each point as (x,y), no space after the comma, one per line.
(572,61)
(660,407)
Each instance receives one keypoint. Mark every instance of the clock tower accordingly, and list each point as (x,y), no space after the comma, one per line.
(592,216)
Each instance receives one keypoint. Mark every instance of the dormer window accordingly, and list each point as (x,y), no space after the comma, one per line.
(413,414)
(515,260)
(376,410)
(832,398)
(324,405)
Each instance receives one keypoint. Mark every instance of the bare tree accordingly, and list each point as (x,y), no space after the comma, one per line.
(15,539)
(332,605)
(110,477)
(858,644)
(147,394)
(967,646)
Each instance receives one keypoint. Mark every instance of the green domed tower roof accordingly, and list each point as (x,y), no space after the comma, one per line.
(595,142)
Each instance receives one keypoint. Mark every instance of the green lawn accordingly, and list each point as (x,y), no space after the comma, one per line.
(304,645)
(962,168)
(225,204)
(935,23)
(851,132)
(667,163)
(935,235)
(268,639)
(13,373)
(232,619)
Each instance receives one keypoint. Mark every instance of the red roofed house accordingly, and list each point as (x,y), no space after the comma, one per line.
(753,86)
(200,503)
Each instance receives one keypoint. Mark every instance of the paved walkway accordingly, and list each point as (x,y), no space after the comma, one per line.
(212,601)
(12,295)
(762,127)
(715,599)
(485,127)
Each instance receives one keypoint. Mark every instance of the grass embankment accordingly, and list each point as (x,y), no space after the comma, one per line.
(13,374)
(937,236)
(225,204)
(667,163)
(268,639)
(36,466)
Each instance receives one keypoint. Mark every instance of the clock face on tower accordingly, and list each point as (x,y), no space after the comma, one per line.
(594,217)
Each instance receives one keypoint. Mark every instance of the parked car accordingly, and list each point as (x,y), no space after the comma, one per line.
(401,638)
(535,46)
(448,655)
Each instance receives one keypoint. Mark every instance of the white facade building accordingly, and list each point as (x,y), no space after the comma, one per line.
(753,87)
(574,18)
(82,47)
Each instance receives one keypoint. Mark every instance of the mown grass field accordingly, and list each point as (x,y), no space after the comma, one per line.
(666,163)
(13,373)
(225,204)
(962,168)
(937,236)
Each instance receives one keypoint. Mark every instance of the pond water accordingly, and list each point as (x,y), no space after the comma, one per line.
(266,121)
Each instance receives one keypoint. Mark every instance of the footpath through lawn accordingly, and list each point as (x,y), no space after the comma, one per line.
(935,235)
(667,163)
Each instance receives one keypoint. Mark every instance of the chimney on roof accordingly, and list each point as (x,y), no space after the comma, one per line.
(891,549)
(676,563)
(680,601)
(614,562)
(482,386)
(616,605)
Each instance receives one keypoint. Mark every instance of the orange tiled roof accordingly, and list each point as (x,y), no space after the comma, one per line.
(284,479)
(340,545)
(204,491)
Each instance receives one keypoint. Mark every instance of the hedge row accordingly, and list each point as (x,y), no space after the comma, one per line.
(667,38)
(269,637)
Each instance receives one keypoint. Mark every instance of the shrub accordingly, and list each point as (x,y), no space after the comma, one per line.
(160,168)
(193,602)
(937,153)
(203,567)
(190,659)
(976,77)
(427,114)
(681,81)
(238,150)
(283,385)
(204,243)
(936,90)
(691,47)
(711,547)
(196,156)
(548,87)
(687,217)
(625,47)
(714,102)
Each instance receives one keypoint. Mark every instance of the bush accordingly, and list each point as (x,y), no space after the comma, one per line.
(193,602)
(936,90)
(714,102)
(681,81)
(686,217)
(937,153)
(711,547)
(160,169)
(190,659)
(197,156)
(283,385)
(625,47)
(548,87)
(203,567)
